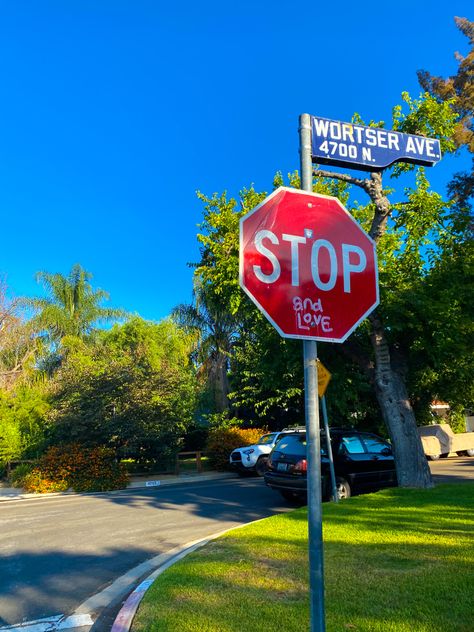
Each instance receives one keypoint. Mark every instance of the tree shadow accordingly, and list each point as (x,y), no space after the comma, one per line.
(35,585)
(37,582)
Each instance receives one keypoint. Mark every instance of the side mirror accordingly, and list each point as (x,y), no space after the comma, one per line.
(386,452)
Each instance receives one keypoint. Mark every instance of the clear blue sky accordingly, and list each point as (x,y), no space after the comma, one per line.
(113,113)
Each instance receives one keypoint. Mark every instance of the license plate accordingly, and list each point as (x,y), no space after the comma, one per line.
(281,467)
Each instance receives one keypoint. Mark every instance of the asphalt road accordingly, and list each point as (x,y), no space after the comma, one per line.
(56,552)
(453,469)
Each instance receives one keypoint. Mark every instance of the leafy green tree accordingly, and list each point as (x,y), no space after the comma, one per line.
(133,390)
(403,232)
(214,329)
(23,422)
(72,307)
(408,233)
(266,377)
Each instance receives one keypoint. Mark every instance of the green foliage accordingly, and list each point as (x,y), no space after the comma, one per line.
(133,391)
(456,418)
(76,467)
(222,441)
(213,329)
(417,250)
(222,421)
(265,371)
(19,473)
(427,116)
(23,422)
(72,306)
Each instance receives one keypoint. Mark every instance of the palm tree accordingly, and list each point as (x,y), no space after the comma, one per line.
(215,331)
(72,306)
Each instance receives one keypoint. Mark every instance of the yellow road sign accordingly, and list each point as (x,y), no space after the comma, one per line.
(323,378)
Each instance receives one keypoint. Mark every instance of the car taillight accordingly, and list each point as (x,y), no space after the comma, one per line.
(301,466)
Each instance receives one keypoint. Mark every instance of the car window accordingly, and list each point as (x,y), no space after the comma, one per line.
(268,438)
(351,444)
(375,445)
(296,445)
(292,444)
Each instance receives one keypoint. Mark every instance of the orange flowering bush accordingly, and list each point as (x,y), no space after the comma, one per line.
(76,467)
(222,441)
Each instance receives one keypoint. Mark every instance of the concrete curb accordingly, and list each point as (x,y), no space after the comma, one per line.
(12,493)
(124,619)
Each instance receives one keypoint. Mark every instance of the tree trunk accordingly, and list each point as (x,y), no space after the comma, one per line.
(220,383)
(410,461)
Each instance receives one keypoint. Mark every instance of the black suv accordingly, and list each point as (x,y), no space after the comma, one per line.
(362,461)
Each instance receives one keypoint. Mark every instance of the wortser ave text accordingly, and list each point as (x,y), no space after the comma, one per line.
(368,148)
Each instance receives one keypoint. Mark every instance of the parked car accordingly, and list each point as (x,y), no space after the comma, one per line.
(439,440)
(253,458)
(362,461)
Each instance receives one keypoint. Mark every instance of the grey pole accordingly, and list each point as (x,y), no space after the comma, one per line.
(330,456)
(310,354)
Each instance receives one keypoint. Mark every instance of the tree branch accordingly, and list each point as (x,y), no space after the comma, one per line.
(344,177)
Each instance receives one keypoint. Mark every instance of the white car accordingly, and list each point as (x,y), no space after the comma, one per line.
(253,458)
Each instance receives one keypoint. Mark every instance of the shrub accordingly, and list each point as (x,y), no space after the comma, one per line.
(17,475)
(76,467)
(222,441)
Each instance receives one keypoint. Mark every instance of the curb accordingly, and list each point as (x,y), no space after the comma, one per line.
(124,619)
(6,494)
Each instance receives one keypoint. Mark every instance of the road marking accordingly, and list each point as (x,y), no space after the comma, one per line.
(51,624)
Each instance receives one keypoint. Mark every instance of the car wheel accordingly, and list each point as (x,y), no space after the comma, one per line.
(261,466)
(433,457)
(343,489)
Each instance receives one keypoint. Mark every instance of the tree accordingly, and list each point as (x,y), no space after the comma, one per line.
(457,90)
(266,377)
(18,346)
(407,233)
(401,230)
(214,329)
(72,307)
(132,389)
(23,425)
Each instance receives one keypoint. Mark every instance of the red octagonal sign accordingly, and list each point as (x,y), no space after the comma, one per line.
(308,265)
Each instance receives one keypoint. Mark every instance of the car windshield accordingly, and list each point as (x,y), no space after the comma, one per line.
(296,445)
(268,438)
(292,444)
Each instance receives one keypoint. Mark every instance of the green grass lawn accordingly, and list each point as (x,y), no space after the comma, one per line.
(396,561)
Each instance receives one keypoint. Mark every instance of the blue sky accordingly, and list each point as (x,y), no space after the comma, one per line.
(113,113)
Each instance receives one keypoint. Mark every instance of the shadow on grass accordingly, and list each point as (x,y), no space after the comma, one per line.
(386,574)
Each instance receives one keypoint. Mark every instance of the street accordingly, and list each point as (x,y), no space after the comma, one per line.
(58,551)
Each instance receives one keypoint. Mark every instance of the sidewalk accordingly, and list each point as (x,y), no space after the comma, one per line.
(136,482)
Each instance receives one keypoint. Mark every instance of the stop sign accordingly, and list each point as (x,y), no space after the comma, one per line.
(308,265)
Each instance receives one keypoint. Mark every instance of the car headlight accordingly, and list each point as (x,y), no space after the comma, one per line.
(248,451)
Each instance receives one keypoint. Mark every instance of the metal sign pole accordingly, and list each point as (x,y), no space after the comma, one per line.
(315,525)
(329,448)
